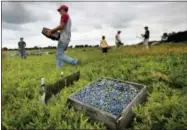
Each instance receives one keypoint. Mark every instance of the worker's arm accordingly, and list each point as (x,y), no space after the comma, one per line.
(63,21)
(106,42)
(24,44)
(18,44)
(146,34)
(59,27)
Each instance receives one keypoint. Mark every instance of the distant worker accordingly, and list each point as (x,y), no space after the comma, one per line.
(21,48)
(3,51)
(118,39)
(104,45)
(65,36)
(146,37)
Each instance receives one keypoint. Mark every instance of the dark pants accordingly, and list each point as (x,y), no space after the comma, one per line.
(118,44)
(22,53)
(105,50)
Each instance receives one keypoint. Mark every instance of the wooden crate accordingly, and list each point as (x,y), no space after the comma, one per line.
(111,121)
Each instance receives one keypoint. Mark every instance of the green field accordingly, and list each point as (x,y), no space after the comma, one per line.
(163,69)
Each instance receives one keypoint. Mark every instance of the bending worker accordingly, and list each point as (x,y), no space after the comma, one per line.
(21,48)
(104,45)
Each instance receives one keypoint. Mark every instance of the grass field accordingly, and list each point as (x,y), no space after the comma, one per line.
(163,69)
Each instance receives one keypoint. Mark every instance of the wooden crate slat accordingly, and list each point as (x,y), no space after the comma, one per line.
(53,89)
(93,112)
(127,114)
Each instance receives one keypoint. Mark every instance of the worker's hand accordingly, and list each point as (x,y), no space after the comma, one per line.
(49,32)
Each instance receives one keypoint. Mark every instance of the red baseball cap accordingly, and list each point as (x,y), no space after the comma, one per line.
(64,7)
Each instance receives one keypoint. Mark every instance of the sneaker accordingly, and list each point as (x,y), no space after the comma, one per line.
(78,62)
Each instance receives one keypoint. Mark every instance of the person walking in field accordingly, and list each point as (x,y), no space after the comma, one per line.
(146,37)
(118,39)
(21,48)
(104,45)
(65,36)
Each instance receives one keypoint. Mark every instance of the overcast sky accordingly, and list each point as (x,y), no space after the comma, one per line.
(91,20)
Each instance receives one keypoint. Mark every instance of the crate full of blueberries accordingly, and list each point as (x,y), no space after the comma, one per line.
(109,101)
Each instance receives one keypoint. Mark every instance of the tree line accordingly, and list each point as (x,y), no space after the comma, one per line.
(166,37)
(51,47)
(174,37)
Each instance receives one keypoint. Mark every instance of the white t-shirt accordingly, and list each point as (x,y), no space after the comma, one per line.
(118,39)
(65,34)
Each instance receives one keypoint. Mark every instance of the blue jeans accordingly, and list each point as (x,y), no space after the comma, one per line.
(60,57)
